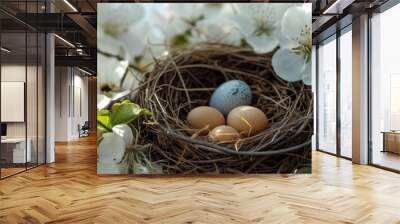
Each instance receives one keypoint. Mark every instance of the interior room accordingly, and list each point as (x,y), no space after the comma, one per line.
(31,98)
(49,138)
(22,100)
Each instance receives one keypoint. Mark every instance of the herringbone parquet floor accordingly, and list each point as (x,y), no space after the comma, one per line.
(69,191)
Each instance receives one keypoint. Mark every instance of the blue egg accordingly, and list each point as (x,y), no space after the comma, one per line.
(229,95)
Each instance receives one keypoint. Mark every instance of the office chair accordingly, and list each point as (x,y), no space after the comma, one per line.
(84,130)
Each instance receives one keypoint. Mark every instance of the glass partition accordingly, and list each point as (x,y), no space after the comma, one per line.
(14,153)
(32,98)
(22,77)
(346,93)
(327,96)
(41,97)
(385,89)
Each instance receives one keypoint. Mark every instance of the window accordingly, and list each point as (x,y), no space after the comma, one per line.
(385,89)
(327,96)
(346,93)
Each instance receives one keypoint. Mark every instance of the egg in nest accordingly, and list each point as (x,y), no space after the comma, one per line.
(229,95)
(247,120)
(204,117)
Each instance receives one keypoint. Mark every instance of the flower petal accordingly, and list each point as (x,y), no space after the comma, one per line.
(105,12)
(133,45)
(263,44)
(306,75)
(288,65)
(132,80)
(223,32)
(102,101)
(110,70)
(116,96)
(294,21)
(243,20)
(109,44)
(125,132)
(112,168)
(115,19)
(111,148)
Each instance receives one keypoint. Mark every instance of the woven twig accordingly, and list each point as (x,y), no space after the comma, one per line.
(187,78)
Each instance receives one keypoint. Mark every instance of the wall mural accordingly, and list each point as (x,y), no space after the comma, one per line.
(204,88)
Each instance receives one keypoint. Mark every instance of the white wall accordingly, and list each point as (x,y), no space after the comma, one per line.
(70,83)
(61,103)
(33,127)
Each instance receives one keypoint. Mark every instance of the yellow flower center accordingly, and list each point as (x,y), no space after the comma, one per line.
(304,42)
(263,23)
(113,29)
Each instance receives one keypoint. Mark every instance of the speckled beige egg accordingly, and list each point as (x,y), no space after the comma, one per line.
(205,117)
(224,134)
(247,120)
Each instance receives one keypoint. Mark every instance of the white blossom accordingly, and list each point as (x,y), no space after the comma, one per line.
(111,150)
(260,24)
(111,71)
(114,29)
(292,61)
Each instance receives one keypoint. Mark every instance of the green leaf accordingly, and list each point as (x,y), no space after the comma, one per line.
(102,128)
(103,120)
(126,112)
(179,40)
(244,43)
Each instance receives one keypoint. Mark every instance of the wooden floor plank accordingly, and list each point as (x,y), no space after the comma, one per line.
(69,191)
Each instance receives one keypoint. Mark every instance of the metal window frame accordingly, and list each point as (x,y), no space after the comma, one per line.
(381,9)
(387,5)
(339,32)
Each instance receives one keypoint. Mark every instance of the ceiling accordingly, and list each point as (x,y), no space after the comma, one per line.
(331,15)
(75,22)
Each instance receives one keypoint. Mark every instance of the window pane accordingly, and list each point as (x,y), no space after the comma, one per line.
(15,150)
(346,94)
(385,86)
(31,99)
(41,99)
(327,96)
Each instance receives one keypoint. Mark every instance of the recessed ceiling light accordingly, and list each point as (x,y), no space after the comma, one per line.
(70,5)
(64,40)
(338,6)
(5,50)
(84,71)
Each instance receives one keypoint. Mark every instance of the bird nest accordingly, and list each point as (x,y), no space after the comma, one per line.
(187,77)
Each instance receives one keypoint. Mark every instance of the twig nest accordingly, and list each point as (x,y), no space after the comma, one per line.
(204,117)
(247,120)
(188,77)
(224,134)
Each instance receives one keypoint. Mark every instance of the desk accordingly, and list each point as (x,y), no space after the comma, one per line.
(391,141)
(13,150)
